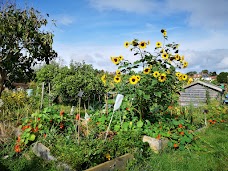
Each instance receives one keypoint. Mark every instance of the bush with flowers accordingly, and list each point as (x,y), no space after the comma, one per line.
(151,82)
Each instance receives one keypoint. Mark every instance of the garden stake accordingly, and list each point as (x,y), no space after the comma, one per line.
(118,102)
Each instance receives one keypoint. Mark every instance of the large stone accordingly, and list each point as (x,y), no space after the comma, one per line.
(155,144)
(42,151)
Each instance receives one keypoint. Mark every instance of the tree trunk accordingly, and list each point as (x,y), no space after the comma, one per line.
(2,80)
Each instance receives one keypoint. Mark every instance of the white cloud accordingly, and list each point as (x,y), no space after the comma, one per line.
(137,6)
(203,13)
(64,19)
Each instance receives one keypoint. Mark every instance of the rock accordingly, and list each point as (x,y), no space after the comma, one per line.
(153,142)
(42,151)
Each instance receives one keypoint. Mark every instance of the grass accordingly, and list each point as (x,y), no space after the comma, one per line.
(210,153)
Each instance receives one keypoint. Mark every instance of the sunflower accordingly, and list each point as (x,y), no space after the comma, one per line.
(134,43)
(162,51)
(150,66)
(148,42)
(118,73)
(185,64)
(142,45)
(184,77)
(146,71)
(115,60)
(117,79)
(133,79)
(156,74)
(165,56)
(126,44)
(178,74)
(103,79)
(182,58)
(190,80)
(120,57)
(162,77)
(180,77)
(158,44)
(177,57)
(164,33)
(138,77)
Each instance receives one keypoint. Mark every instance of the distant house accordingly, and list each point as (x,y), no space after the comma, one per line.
(199,92)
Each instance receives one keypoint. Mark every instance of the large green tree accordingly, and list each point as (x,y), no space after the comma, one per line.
(22,43)
(222,77)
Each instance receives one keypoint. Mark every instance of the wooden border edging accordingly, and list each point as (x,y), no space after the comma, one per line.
(117,163)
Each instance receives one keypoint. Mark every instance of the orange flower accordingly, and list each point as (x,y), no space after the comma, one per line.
(222,120)
(182,133)
(38,119)
(77,117)
(18,139)
(35,130)
(17,148)
(210,121)
(45,135)
(180,126)
(175,145)
(170,107)
(61,125)
(61,113)
(158,137)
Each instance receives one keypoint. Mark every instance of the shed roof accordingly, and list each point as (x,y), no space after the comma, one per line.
(212,86)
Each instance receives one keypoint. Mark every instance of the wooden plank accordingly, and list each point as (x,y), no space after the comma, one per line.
(118,163)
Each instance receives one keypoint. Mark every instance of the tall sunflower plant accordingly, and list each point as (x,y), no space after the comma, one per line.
(151,83)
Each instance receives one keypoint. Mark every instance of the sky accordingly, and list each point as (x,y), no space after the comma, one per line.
(95,30)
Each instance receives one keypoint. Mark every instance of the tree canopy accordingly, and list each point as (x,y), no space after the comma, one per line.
(222,77)
(22,43)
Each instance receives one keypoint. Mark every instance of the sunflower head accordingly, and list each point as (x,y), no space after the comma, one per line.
(133,80)
(148,42)
(156,74)
(117,79)
(177,57)
(103,79)
(142,45)
(158,44)
(164,33)
(185,64)
(184,77)
(120,57)
(138,77)
(165,56)
(162,77)
(182,58)
(178,74)
(115,60)
(190,80)
(118,73)
(134,43)
(146,71)
(126,44)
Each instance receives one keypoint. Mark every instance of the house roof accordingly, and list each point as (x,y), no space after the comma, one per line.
(212,86)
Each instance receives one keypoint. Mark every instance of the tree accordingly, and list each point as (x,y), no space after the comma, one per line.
(191,73)
(22,43)
(222,77)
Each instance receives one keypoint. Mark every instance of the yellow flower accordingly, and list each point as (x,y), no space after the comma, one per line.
(185,64)
(126,44)
(156,74)
(150,66)
(134,43)
(133,79)
(164,33)
(178,74)
(165,56)
(177,57)
(180,78)
(120,57)
(107,156)
(184,77)
(162,77)
(158,44)
(148,42)
(190,80)
(115,60)
(118,73)
(182,58)
(142,45)
(103,79)
(117,79)
(146,71)
(162,51)
(168,71)
(138,77)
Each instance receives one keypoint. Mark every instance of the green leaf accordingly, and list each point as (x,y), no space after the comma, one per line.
(117,127)
(139,124)
(32,137)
